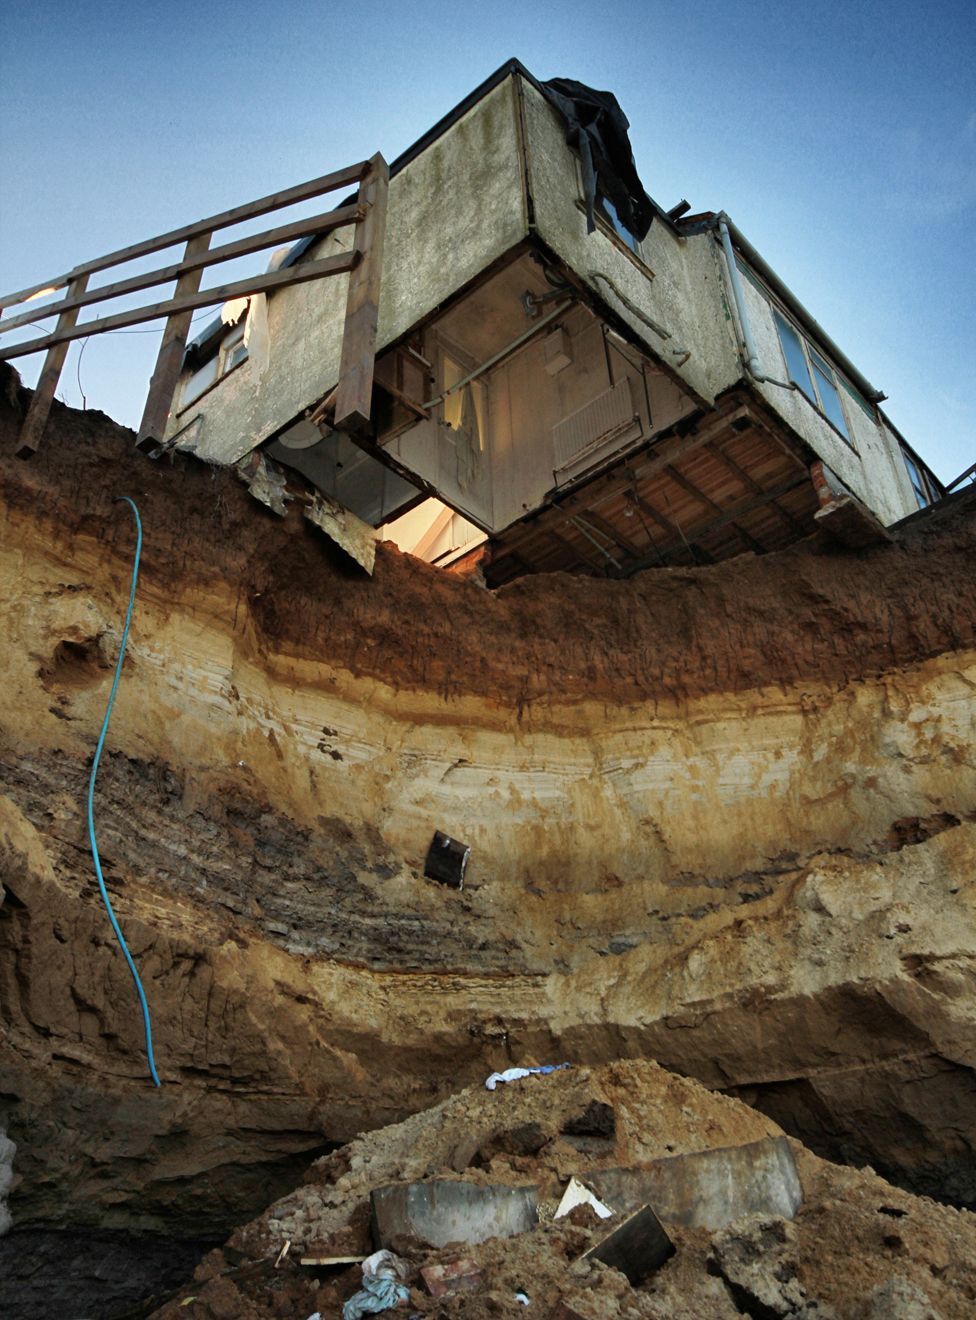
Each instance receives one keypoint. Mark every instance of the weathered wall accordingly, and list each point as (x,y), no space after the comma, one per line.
(689,296)
(462,198)
(719,816)
(684,297)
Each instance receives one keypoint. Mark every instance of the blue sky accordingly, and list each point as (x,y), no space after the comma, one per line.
(840,137)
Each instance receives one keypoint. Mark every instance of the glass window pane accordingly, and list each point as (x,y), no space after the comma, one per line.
(624,233)
(237,354)
(916,479)
(830,401)
(796,362)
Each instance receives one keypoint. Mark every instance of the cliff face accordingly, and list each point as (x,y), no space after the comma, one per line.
(722,818)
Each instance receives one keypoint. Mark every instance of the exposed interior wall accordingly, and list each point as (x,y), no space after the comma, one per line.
(528,402)
(871,465)
(453,210)
(570,365)
(685,290)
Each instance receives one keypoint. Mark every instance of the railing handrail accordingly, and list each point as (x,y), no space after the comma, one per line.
(362,261)
(222,220)
(312,227)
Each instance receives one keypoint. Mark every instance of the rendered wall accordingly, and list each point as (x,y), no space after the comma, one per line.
(689,296)
(452,211)
(686,289)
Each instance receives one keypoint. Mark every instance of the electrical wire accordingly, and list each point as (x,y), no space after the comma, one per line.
(91,794)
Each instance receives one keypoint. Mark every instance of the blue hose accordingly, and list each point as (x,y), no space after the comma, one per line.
(91,794)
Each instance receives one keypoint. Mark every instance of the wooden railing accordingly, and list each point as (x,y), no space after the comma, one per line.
(363,261)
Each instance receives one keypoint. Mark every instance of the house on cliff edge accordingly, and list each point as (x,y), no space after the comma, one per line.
(566,377)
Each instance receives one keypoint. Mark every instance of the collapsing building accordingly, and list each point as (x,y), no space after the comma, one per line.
(566,377)
(533,366)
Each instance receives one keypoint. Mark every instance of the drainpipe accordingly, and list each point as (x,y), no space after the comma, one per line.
(753,365)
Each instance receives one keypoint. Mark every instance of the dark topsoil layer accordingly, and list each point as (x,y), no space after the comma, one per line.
(816,613)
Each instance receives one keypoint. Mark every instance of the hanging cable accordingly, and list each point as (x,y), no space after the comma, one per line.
(91,794)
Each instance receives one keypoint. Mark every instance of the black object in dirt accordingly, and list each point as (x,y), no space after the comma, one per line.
(447,860)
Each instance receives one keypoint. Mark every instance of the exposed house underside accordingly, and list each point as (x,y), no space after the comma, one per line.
(625,469)
(713,486)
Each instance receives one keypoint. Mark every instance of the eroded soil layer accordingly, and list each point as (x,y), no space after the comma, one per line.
(720,817)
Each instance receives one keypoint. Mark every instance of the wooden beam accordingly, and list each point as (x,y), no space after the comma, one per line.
(679,540)
(315,226)
(751,483)
(743,507)
(276,279)
(702,498)
(170,358)
(578,521)
(578,556)
(248,211)
(608,529)
(40,405)
(354,400)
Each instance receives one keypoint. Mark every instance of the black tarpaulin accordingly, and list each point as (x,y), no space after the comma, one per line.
(597,128)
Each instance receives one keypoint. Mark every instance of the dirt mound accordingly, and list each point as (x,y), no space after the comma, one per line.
(857,1247)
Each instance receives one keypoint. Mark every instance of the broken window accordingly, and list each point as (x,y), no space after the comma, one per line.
(228,354)
(606,211)
(811,373)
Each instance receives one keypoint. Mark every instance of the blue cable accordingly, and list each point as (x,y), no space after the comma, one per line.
(91,795)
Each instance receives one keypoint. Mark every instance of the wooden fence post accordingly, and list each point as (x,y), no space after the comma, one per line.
(47,383)
(170,360)
(355,392)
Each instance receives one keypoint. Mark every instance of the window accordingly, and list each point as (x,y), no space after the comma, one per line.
(922,484)
(231,351)
(606,210)
(811,373)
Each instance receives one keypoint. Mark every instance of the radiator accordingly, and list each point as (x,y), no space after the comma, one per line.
(609,416)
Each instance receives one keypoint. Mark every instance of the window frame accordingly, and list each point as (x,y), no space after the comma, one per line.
(923,489)
(633,247)
(227,360)
(814,361)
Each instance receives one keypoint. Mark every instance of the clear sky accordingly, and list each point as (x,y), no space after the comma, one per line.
(840,137)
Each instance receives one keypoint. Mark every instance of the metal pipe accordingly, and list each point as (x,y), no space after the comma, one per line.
(492,361)
(753,365)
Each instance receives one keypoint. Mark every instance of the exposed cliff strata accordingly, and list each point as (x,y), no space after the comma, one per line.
(720,817)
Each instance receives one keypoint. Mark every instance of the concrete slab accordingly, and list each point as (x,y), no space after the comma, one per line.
(443,1211)
(709,1188)
(636,1248)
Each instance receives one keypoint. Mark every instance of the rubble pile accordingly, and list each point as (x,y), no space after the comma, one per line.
(848,1246)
